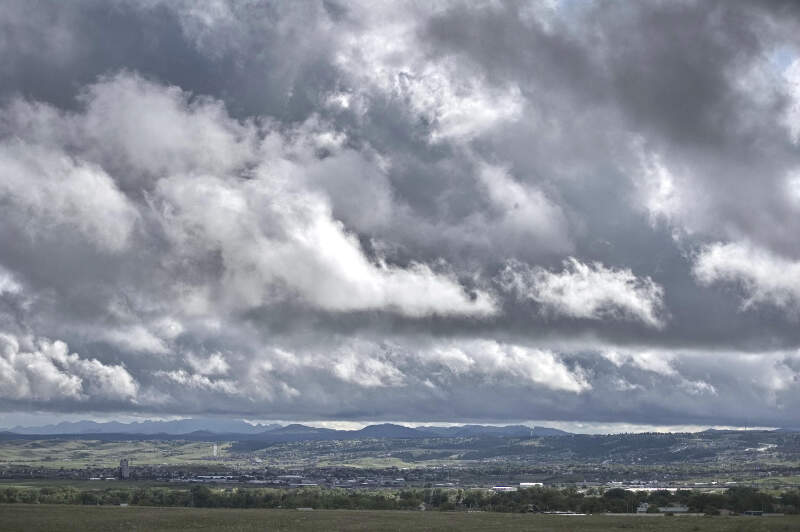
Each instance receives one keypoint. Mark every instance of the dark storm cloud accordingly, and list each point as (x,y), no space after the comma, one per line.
(683,80)
(313,210)
(51,50)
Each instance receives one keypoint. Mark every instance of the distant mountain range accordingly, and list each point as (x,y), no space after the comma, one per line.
(508,431)
(205,428)
(465,444)
(178,426)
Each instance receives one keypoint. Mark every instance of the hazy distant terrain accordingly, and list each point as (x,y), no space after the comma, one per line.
(760,456)
(291,431)
(180,426)
(450,472)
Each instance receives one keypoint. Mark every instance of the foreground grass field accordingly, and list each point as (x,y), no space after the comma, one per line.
(61,518)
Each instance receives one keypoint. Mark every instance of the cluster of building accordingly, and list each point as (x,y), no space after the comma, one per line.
(299,481)
(644,508)
(521,485)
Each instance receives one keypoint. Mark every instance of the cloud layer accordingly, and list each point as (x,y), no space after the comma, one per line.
(471,211)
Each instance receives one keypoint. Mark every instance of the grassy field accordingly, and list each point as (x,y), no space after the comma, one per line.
(61,518)
(85,485)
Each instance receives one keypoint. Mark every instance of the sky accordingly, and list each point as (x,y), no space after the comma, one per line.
(582,212)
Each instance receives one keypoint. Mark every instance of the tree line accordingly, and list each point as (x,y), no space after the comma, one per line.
(538,499)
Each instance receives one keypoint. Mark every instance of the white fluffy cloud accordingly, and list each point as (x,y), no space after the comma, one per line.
(275,235)
(214,364)
(153,130)
(505,361)
(655,361)
(763,276)
(792,117)
(135,338)
(662,192)
(364,371)
(459,103)
(661,363)
(44,370)
(8,283)
(768,377)
(440,364)
(525,215)
(216,187)
(588,291)
(46,191)
(197,381)
(359,366)
(272,236)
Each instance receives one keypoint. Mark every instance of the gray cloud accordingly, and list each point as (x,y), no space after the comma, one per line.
(530,210)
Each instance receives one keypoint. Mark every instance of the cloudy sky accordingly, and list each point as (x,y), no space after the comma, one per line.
(471,211)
